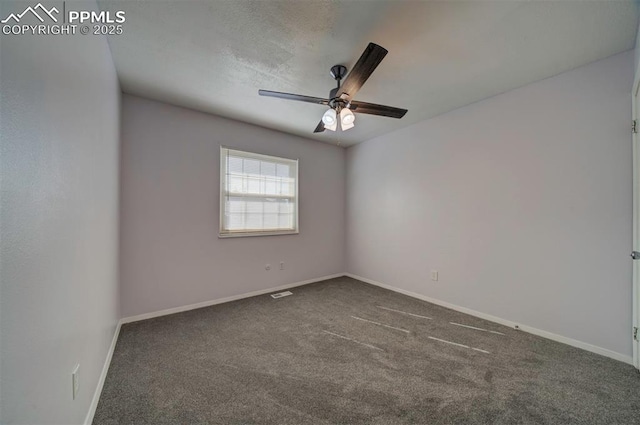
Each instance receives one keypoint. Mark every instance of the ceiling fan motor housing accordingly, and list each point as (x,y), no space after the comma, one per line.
(337,103)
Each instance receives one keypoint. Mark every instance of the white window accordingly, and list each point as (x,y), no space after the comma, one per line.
(258,194)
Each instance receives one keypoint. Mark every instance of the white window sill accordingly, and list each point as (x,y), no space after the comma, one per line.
(250,234)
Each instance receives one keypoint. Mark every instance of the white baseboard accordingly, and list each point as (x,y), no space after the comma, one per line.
(180,309)
(103,375)
(539,332)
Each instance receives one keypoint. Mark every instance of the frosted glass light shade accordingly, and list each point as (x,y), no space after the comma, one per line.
(329,117)
(346,119)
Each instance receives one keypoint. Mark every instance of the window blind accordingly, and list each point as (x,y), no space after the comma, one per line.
(258,194)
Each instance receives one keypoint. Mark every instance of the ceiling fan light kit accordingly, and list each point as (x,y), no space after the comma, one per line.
(340,99)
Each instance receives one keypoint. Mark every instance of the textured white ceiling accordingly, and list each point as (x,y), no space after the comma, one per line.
(215,55)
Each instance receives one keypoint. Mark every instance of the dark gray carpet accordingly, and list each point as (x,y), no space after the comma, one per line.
(288,361)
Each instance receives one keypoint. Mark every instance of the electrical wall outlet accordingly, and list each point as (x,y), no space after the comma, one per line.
(434,275)
(267,267)
(281,265)
(74,381)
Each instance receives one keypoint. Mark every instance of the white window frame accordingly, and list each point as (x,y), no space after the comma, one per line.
(222,233)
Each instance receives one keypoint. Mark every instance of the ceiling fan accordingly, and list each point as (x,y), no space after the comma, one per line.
(340,101)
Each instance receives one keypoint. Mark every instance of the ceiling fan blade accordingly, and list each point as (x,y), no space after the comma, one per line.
(319,128)
(362,70)
(373,109)
(290,96)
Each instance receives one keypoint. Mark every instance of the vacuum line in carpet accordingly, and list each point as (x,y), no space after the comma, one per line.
(353,340)
(458,345)
(381,324)
(477,329)
(404,312)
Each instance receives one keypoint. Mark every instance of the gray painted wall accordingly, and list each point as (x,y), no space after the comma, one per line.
(59,221)
(171,255)
(636,52)
(522,202)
